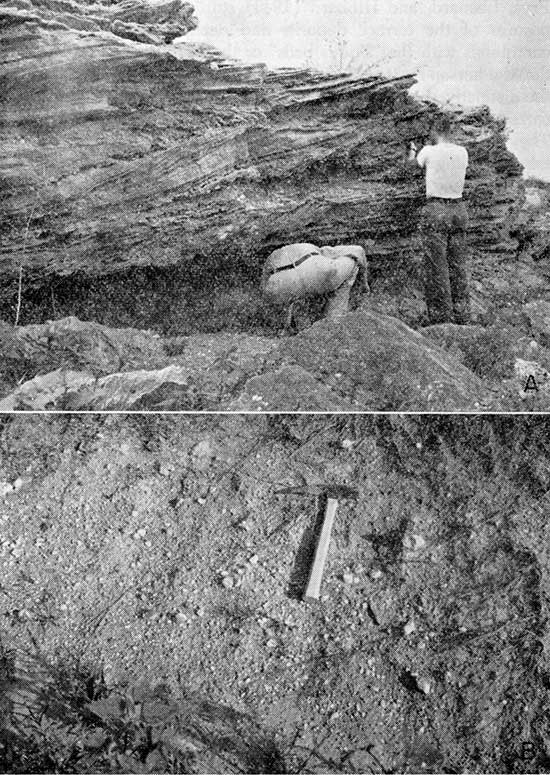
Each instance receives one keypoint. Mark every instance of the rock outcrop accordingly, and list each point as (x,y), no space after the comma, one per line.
(146,21)
(376,363)
(120,148)
(364,362)
(72,343)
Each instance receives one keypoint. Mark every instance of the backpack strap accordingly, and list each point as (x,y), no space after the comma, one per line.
(294,263)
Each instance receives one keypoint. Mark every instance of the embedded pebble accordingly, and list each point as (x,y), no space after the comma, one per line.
(424,685)
(414,542)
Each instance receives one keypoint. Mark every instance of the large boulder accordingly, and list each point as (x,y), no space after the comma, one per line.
(81,344)
(46,392)
(373,363)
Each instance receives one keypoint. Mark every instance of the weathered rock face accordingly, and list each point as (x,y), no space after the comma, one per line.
(70,342)
(147,21)
(375,362)
(365,362)
(117,152)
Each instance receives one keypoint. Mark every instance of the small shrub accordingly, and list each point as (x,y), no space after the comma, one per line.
(72,721)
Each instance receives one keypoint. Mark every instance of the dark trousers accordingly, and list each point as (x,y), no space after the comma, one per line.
(444,224)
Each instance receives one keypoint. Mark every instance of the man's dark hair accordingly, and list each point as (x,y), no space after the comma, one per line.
(443,125)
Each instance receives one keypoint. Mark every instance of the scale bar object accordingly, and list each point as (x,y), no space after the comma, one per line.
(316,574)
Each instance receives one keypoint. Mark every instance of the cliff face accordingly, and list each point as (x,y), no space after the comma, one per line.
(119,148)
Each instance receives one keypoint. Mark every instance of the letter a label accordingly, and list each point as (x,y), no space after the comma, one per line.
(531,384)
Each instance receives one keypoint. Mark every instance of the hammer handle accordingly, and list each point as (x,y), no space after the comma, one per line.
(316,575)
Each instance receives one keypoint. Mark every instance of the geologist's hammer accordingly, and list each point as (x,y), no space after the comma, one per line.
(313,589)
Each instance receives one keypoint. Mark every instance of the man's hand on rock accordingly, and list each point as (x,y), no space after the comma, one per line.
(413,150)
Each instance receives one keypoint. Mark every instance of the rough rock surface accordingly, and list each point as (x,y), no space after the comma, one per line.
(67,390)
(366,361)
(538,315)
(118,153)
(488,351)
(147,21)
(379,364)
(46,392)
(290,389)
(72,342)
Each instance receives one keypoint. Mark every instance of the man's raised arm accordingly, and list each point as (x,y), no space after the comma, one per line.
(413,150)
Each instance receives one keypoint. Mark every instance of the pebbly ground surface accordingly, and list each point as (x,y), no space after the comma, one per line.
(176,549)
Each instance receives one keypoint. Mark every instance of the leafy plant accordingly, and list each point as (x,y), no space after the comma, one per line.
(72,721)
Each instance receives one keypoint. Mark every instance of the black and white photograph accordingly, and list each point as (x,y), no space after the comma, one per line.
(248,205)
(275,594)
(274,387)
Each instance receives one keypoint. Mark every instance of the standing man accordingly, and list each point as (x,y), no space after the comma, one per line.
(444,224)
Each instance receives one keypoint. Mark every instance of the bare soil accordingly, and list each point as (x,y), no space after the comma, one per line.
(176,549)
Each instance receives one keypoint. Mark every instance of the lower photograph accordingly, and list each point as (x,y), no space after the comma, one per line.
(274,594)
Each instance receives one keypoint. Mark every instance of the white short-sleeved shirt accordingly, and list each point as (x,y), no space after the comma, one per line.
(446,165)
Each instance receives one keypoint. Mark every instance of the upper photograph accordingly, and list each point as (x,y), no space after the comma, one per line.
(308,205)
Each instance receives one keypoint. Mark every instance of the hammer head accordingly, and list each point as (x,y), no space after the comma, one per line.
(336,491)
(340,491)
